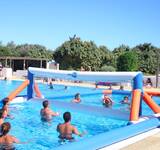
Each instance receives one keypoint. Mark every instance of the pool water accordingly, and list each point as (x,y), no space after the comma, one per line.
(27,125)
(89,96)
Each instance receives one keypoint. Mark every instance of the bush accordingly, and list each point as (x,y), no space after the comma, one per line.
(107,68)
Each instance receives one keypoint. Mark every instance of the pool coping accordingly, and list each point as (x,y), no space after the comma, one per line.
(108,138)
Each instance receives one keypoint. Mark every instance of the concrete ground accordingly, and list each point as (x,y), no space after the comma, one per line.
(149,143)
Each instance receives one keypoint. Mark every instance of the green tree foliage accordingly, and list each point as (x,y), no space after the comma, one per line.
(25,50)
(119,51)
(127,61)
(107,68)
(147,57)
(76,54)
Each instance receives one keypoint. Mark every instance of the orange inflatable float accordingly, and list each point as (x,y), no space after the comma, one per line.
(37,91)
(107,91)
(134,114)
(18,90)
(153,93)
(147,98)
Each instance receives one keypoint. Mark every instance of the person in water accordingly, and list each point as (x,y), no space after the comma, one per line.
(6,109)
(107,101)
(1,116)
(125,100)
(46,113)
(77,98)
(66,129)
(51,85)
(65,87)
(6,140)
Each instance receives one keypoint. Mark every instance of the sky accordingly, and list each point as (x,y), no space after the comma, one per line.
(106,22)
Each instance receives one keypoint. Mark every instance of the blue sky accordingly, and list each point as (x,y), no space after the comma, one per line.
(106,22)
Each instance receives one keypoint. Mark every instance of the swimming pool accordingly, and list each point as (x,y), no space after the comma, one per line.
(89,96)
(27,124)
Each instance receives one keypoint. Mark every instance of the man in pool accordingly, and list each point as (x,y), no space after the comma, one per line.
(66,129)
(46,113)
(77,98)
(125,100)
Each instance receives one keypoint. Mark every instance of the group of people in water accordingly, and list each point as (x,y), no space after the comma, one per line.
(65,130)
(6,140)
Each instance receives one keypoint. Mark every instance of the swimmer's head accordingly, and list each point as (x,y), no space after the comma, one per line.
(67,116)
(125,97)
(1,113)
(6,126)
(77,95)
(5,101)
(45,103)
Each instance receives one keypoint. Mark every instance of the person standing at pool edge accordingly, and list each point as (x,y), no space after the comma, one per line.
(66,129)
(46,113)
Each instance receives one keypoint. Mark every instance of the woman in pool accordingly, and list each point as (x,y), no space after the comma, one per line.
(125,100)
(66,129)
(1,117)
(77,98)
(5,108)
(107,101)
(6,140)
(46,113)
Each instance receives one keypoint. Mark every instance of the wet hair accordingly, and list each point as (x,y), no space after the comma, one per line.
(125,97)
(5,127)
(77,94)
(5,101)
(67,116)
(45,103)
(1,113)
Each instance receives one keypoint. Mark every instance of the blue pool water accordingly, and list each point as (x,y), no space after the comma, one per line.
(26,124)
(89,96)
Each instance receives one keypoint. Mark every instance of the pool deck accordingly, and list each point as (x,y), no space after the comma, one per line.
(149,143)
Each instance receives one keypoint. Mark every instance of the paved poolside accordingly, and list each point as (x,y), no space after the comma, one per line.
(149,143)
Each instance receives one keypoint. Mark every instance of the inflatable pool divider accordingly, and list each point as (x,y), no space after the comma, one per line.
(135,77)
(13,94)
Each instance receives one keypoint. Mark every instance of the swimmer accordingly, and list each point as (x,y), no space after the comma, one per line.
(77,98)
(50,85)
(46,113)
(125,100)
(1,117)
(6,140)
(66,129)
(107,101)
(6,109)
(65,87)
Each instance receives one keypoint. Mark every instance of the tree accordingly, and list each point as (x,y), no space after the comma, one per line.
(147,57)
(119,51)
(74,54)
(127,61)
